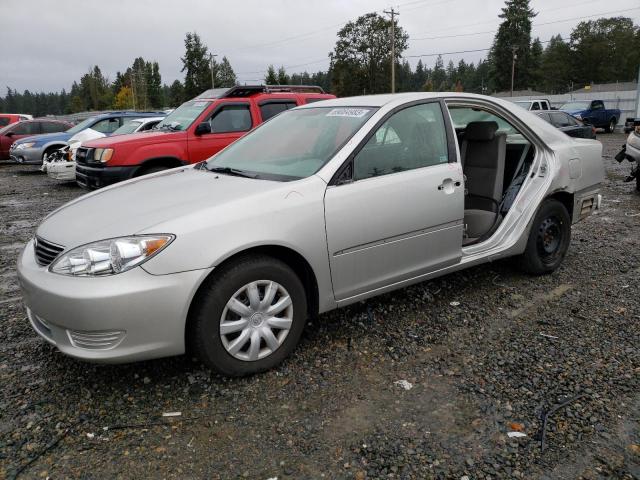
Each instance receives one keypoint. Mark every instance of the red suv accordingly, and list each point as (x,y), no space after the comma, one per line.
(193,132)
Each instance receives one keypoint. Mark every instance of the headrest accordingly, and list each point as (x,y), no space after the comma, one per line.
(480,131)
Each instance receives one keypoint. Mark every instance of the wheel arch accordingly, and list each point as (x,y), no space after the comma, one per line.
(164,161)
(565,198)
(296,261)
(53,146)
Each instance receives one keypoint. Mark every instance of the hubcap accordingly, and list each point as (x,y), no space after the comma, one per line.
(256,320)
(549,237)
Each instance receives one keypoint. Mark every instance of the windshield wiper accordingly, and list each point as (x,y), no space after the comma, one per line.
(231,171)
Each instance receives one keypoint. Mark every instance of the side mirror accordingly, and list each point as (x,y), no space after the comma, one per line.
(203,128)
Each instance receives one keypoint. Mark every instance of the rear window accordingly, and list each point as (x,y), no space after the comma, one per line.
(272,109)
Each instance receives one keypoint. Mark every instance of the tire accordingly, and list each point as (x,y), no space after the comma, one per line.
(48,152)
(612,126)
(232,354)
(150,170)
(549,239)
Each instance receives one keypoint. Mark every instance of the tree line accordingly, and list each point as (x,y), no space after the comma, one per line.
(596,51)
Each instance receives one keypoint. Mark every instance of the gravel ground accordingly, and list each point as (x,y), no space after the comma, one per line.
(512,349)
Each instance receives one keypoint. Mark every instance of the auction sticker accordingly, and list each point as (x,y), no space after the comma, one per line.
(348,112)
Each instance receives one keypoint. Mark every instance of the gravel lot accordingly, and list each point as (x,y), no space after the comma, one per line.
(511,350)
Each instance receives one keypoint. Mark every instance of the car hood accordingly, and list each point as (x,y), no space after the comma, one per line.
(574,112)
(86,135)
(130,138)
(45,138)
(142,204)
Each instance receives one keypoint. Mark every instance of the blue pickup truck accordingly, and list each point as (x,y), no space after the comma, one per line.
(594,113)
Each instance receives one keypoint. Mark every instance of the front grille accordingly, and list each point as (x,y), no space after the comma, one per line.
(46,252)
(95,340)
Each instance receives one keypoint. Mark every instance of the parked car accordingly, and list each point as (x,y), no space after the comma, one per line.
(630,124)
(32,150)
(9,118)
(536,104)
(191,133)
(593,112)
(322,206)
(631,152)
(568,124)
(28,128)
(61,165)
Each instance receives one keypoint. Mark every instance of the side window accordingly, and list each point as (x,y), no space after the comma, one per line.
(545,117)
(231,118)
(106,126)
(415,137)
(271,109)
(53,127)
(559,120)
(545,105)
(27,128)
(4,121)
(597,105)
(571,121)
(535,106)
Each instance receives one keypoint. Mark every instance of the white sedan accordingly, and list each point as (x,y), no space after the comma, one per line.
(63,167)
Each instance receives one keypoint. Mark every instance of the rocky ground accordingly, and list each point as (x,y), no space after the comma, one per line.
(485,352)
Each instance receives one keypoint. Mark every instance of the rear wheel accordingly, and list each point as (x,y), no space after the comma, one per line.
(249,317)
(612,125)
(549,239)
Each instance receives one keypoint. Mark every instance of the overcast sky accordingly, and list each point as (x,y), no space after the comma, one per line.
(47,44)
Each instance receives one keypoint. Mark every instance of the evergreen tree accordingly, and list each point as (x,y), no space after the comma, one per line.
(514,33)
(176,94)
(419,77)
(226,75)
(154,88)
(439,76)
(283,78)
(271,78)
(196,66)
(535,64)
(555,66)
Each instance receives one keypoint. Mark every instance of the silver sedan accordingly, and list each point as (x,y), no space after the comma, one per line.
(320,207)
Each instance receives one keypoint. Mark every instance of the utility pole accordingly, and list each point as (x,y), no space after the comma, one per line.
(513,66)
(393,14)
(211,57)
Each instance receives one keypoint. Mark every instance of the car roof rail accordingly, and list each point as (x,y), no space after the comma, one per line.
(248,90)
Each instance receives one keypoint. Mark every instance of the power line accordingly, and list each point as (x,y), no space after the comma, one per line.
(533,25)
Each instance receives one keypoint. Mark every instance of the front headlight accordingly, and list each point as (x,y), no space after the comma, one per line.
(109,257)
(25,145)
(102,154)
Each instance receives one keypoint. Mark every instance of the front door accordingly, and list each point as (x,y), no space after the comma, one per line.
(229,121)
(399,214)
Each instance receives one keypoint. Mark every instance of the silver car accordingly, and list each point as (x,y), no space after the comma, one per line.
(320,207)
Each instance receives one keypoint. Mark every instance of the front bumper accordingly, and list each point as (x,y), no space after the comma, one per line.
(27,156)
(65,171)
(98,177)
(121,318)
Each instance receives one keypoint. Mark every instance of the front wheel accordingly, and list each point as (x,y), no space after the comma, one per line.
(549,239)
(249,317)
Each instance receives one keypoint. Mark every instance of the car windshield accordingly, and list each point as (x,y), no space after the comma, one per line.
(183,116)
(128,127)
(575,106)
(82,125)
(292,145)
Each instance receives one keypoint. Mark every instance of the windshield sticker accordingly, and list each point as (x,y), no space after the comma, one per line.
(348,112)
(199,104)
